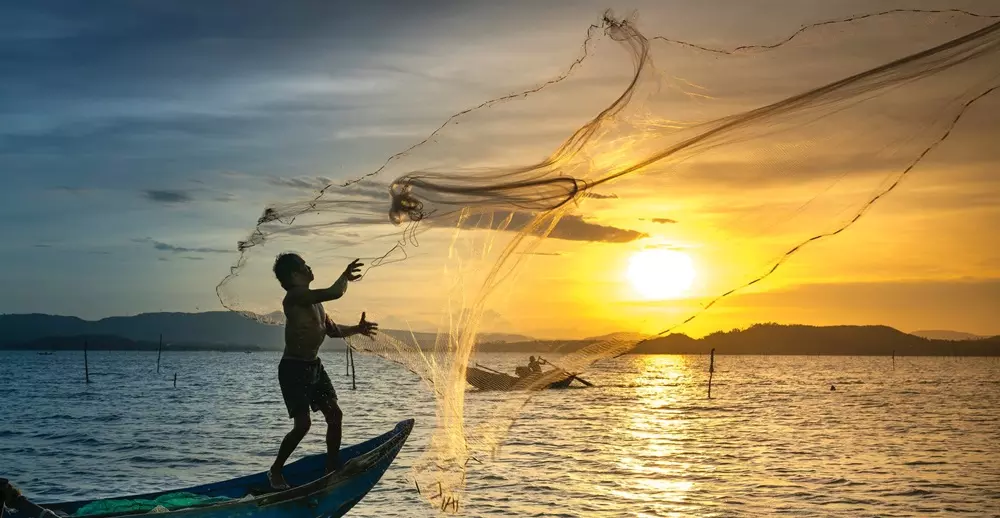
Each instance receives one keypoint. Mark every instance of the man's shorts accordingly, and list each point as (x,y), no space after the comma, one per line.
(304,385)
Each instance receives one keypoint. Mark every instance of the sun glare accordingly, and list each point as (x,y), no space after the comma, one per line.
(661,274)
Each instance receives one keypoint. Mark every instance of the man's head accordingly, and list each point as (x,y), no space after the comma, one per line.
(292,271)
(531,359)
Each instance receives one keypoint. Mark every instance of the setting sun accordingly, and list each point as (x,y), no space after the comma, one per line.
(661,274)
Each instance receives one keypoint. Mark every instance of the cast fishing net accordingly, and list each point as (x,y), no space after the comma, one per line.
(737,156)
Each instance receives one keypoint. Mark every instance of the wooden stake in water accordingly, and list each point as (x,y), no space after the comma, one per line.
(86,367)
(711,371)
(354,374)
(347,359)
(175,380)
(893,359)
(159,351)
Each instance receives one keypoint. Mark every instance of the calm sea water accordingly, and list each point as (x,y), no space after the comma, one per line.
(919,439)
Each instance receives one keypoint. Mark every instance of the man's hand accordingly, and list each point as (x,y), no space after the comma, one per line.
(367,328)
(353,271)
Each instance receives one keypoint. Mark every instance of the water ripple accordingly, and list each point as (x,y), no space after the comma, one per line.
(918,440)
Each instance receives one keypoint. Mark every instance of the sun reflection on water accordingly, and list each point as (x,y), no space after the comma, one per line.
(656,432)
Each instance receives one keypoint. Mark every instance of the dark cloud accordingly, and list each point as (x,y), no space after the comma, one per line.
(167,196)
(42,245)
(570,228)
(663,220)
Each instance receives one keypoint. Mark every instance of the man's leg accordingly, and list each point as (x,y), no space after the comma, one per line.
(334,425)
(288,445)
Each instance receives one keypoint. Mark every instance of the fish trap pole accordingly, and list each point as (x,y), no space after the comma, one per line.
(711,371)
(354,374)
(159,352)
(86,367)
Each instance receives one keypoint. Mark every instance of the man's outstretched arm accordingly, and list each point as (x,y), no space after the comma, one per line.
(308,297)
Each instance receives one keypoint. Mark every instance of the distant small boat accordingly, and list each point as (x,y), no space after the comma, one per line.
(313,494)
(487,379)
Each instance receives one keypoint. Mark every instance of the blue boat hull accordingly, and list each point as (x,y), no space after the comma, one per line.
(313,494)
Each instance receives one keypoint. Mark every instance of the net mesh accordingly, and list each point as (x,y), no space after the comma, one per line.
(732,157)
(162,503)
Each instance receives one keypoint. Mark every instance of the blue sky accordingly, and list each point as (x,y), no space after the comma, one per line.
(141,140)
(137,133)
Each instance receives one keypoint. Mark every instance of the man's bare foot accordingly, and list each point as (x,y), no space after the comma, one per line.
(333,468)
(277,480)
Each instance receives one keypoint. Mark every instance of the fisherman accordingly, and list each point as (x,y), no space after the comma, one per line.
(304,383)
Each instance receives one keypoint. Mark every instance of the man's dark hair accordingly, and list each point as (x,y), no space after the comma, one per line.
(285,265)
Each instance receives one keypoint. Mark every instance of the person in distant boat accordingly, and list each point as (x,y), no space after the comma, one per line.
(534,365)
(304,383)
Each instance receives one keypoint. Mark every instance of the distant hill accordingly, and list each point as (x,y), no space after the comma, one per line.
(117,343)
(779,339)
(828,340)
(218,330)
(225,331)
(947,335)
(620,336)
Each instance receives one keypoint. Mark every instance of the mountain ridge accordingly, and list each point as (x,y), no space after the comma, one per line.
(225,331)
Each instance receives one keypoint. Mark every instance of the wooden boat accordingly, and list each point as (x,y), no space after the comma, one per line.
(313,494)
(484,379)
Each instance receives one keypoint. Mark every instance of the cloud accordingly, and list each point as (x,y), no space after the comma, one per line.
(167,196)
(225,197)
(314,183)
(599,196)
(571,227)
(193,258)
(663,220)
(42,245)
(574,228)
(166,247)
(366,189)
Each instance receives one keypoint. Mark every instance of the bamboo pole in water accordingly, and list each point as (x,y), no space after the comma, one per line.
(711,371)
(354,374)
(175,380)
(347,359)
(86,367)
(159,352)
